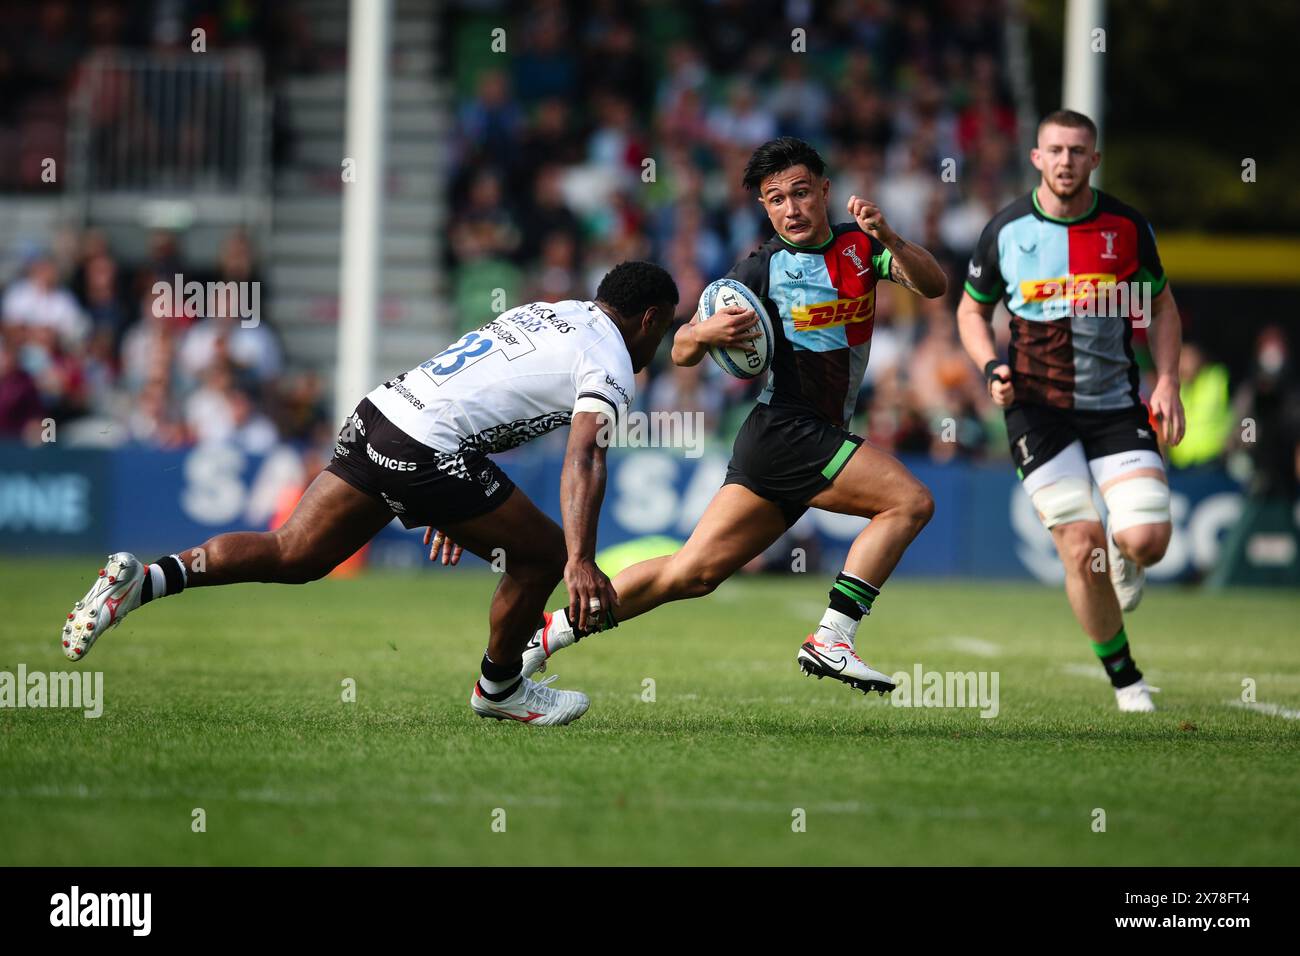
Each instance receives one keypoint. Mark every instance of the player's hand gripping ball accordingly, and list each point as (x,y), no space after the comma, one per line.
(748,355)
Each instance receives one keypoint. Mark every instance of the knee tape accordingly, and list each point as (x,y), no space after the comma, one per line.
(1136,501)
(1069,499)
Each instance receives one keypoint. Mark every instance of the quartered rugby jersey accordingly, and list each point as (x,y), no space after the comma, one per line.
(1073,287)
(822,302)
(521,375)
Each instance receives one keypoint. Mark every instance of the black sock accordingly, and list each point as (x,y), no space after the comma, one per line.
(498,675)
(852,596)
(173,574)
(1117,660)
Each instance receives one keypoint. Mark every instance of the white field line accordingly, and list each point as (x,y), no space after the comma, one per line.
(972,645)
(799,607)
(1273,710)
(1085,670)
(807,607)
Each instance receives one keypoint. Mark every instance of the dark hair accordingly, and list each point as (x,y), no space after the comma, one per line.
(633,287)
(777,155)
(1070,120)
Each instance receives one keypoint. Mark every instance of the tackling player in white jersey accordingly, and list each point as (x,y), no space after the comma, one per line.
(417,448)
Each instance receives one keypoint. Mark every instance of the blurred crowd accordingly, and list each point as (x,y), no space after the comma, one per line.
(47,47)
(616,135)
(618,131)
(87,343)
(107,353)
(610,131)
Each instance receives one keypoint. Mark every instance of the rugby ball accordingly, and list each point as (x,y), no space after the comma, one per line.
(736,361)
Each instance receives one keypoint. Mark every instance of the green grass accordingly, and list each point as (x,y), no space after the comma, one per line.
(230,700)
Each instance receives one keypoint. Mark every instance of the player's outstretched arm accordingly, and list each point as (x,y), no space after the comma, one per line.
(974,326)
(1165,336)
(911,265)
(582,489)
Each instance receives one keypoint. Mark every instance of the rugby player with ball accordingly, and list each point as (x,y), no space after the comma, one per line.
(805,302)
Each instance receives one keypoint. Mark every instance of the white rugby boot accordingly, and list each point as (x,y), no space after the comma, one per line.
(533,702)
(554,635)
(114,595)
(1136,698)
(839,661)
(1127,577)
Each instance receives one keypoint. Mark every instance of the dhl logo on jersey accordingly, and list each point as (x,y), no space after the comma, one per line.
(1072,287)
(829,315)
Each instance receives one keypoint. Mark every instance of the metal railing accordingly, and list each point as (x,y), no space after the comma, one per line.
(189,126)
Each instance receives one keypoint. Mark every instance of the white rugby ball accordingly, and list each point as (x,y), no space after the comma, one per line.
(734,360)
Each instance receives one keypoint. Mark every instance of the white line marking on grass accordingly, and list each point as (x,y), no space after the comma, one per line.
(1273,710)
(799,607)
(1085,670)
(807,608)
(973,645)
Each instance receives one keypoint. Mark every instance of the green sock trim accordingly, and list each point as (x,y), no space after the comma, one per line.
(1110,647)
(857,594)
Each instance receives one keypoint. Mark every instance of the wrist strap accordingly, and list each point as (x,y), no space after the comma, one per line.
(989,375)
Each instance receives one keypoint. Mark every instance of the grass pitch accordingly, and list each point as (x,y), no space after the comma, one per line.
(230,700)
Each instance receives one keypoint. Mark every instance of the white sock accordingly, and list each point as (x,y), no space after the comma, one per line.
(496,686)
(158,580)
(837,627)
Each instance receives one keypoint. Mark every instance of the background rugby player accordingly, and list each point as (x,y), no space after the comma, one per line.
(817,281)
(1070,390)
(417,448)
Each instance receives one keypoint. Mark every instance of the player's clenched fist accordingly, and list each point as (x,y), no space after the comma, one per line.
(1167,407)
(871,219)
(591,596)
(1000,387)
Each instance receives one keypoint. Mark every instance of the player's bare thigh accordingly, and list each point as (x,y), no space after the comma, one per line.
(530,543)
(873,482)
(332,521)
(736,527)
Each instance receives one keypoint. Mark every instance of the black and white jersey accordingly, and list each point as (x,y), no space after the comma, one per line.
(525,373)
